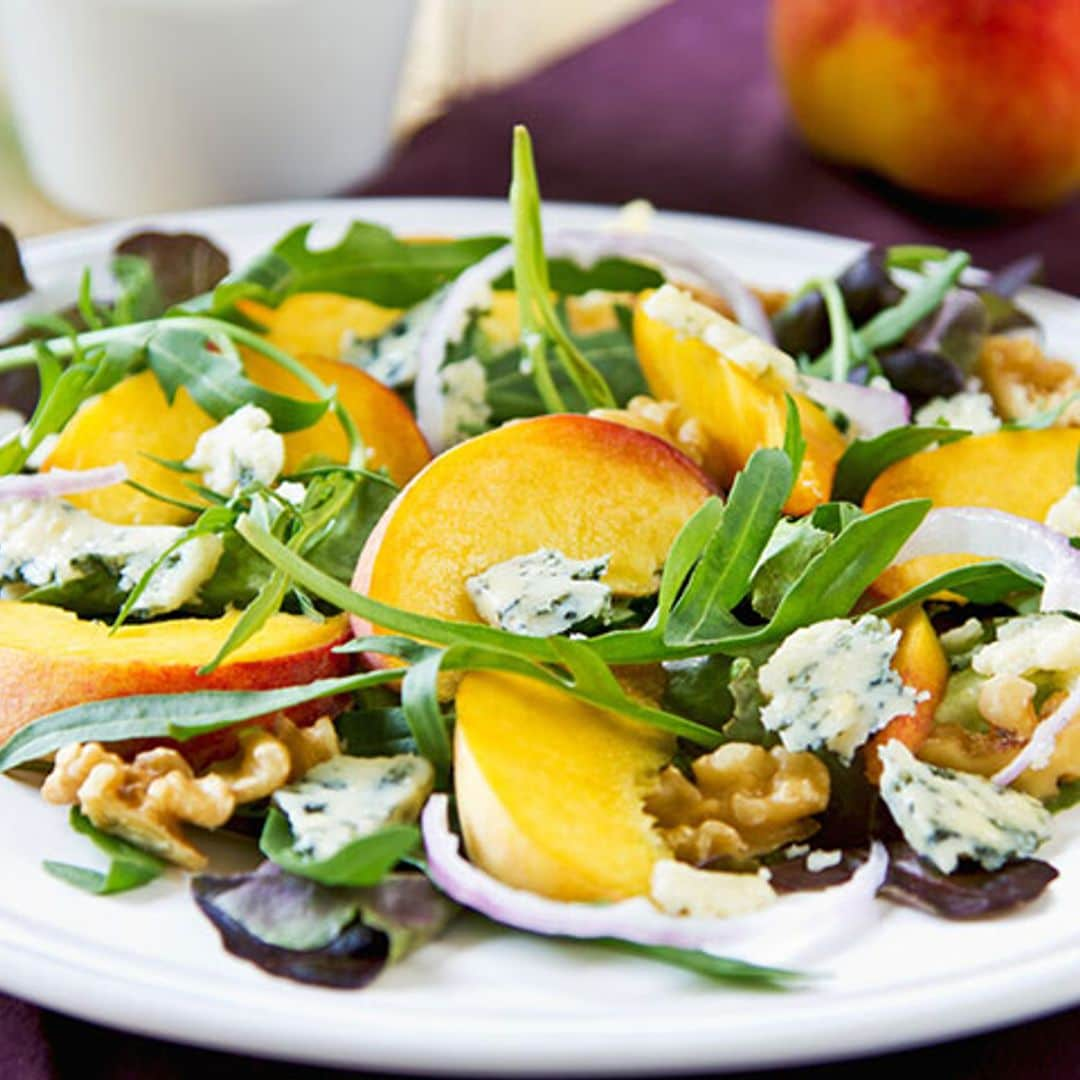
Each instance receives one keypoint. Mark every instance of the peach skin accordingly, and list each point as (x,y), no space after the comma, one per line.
(50,659)
(964,100)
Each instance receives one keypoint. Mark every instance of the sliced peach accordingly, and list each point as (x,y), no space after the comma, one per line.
(550,790)
(502,323)
(125,424)
(584,486)
(738,413)
(922,664)
(319,322)
(133,419)
(50,659)
(383,419)
(1021,472)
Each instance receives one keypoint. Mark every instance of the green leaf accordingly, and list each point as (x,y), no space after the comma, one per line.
(717,968)
(129,866)
(364,861)
(981,583)
(169,716)
(1046,418)
(794,442)
(540,322)
(208,366)
(687,549)
(420,703)
(139,297)
(722,577)
(1068,796)
(889,326)
(368,263)
(866,459)
(476,646)
(835,580)
(791,548)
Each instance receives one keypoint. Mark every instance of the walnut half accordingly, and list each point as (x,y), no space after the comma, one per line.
(152,798)
(744,801)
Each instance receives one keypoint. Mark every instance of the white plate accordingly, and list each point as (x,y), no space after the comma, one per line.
(482,1000)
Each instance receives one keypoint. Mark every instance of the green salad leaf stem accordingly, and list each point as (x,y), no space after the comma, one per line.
(129,867)
(540,322)
(170,716)
(718,968)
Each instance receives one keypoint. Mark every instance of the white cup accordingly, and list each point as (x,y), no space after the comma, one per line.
(128,107)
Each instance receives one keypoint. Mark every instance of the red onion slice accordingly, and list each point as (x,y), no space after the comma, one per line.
(871,409)
(472,291)
(994,534)
(1040,747)
(47,485)
(637,920)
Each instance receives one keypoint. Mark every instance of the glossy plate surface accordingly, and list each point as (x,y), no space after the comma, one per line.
(483,1000)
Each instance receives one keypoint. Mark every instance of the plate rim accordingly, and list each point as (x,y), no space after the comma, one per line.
(36,972)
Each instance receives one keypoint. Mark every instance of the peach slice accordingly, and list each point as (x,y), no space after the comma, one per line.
(319,322)
(921,662)
(133,419)
(1021,472)
(584,486)
(550,790)
(737,412)
(125,424)
(50,659)
(393,440)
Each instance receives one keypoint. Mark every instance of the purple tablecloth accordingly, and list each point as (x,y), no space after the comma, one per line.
(679,108)
(682,109)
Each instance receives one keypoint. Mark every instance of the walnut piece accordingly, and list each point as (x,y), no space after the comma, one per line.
(1023,380)
(744,801)
(149,800)
(663,419)
(1007,703)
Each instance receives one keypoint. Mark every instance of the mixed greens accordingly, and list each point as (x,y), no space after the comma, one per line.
(783,627)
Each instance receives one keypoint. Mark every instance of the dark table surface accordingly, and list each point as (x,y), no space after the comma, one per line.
(679,108)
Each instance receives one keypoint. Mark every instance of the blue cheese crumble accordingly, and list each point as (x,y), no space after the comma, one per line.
(830,686)
(393,356)
(347,798)
(466,411)
(50,542)
(947,816)
(1031,643)
(541,594)
(971,411)
(1064,515)
(688,318)
(678,889)
(243,449)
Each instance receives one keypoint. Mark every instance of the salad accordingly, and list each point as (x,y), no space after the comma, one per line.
(564,579)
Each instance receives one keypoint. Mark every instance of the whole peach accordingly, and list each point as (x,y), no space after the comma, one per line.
(974,101)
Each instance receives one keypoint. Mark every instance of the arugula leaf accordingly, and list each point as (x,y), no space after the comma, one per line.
(169,716)
(889,326)
(375,730)
(866,459)
(540,323)
(364,861)
(369,263)
(13,280)
(718,968)
(129,866)
(1068,796)
(685,552)
(722,577)
(791,548)
(208,366)
(981,582)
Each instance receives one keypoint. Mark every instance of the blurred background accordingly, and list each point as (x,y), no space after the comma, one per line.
(889,120)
